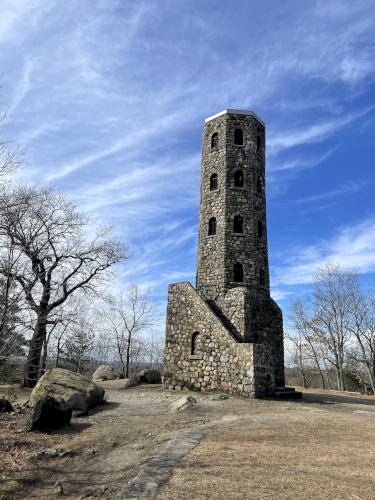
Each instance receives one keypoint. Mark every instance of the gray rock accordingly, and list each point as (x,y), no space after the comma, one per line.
(149,376)
(5,406)
(52,453)
(58,489)
(182,404)
(219,397)
(104,372)
(49,413)
(77,391)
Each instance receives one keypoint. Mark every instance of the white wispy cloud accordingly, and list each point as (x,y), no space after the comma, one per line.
(352,246)
(345,189)
(298,164)
(313,133)
(109,98)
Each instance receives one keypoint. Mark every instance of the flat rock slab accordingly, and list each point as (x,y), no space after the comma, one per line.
(159,469)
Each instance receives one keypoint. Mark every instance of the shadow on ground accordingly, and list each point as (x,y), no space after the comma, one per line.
(326,398)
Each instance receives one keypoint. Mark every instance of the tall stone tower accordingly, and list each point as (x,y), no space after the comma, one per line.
(233,195)
(227,333)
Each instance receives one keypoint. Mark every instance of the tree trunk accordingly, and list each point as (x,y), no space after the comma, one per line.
(322,377)
(44,358)
(58,353)
(127,359)
(32,367)
(340,378)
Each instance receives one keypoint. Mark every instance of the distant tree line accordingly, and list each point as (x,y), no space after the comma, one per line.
(57,269)
(332,337)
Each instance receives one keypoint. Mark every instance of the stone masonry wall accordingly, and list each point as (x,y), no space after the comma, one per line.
(211,249)
(220,361)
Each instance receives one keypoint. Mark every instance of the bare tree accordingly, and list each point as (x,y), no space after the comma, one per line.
(298,355)
(154,350)
(332,295)
(10,157)
(57,256)
(362,327)
(126,318)
(309,345)
(337,327)
(79,342)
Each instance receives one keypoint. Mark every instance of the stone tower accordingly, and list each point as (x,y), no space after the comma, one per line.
(227,333)
(233,193)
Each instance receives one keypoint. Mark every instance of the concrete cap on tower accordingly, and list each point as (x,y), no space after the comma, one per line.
(235,112)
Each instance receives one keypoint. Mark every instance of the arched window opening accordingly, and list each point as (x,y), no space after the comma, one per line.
(215,141)
(238,178)
(238,224)
(238,137)
(213,182)
(259,143)
(238,273)
(212,226)
(262,278)
(194,342)
(260,229)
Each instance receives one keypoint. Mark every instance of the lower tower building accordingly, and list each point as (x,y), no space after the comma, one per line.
(227,333)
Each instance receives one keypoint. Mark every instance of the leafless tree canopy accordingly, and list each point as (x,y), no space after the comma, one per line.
(125,319)
(55,257)
(10,156)
(335,329)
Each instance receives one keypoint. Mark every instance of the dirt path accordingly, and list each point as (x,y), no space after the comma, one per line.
(111,445)
(134,447)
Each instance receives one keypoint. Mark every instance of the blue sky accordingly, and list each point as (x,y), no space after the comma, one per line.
(108,100)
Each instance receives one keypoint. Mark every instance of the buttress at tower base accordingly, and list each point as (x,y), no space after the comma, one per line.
(204,353)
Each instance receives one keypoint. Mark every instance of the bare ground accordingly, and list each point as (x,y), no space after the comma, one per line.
(323,447)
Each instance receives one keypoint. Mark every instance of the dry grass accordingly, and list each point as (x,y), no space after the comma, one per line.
(300,453)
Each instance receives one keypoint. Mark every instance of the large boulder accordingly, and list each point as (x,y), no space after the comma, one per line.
(77,391)
(103,372)
(49,413)
(5,406)
(148,377)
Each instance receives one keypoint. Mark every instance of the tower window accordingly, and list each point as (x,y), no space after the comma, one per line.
(213,182)
(238,224)
(238,273)
(238,178)
(260,229)
(194,342)
(212,226)
(238,137)
(262,278)
(215,141)
(259,143)
(259,185)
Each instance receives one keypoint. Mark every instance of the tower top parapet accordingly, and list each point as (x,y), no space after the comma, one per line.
(235,112)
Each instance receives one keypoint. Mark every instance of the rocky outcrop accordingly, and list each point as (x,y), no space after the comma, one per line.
(103,372)
(49,413)
(77,391)
(148,377)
